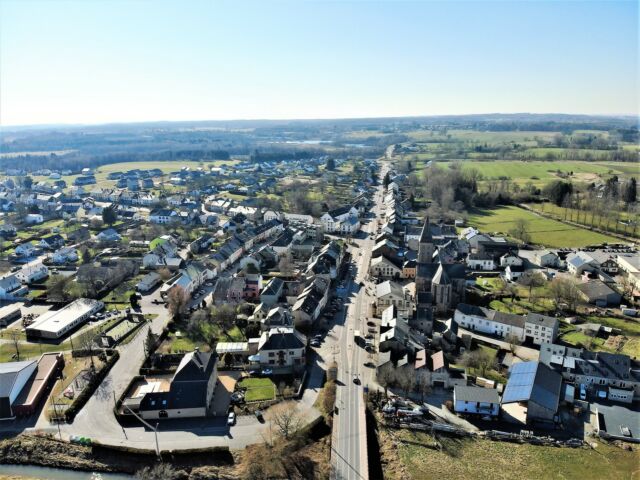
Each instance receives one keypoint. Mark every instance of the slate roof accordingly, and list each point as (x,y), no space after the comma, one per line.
(336,212)
(8,373)
(476,394)
(188,387)
(273,286)
(595,289)
(281,339)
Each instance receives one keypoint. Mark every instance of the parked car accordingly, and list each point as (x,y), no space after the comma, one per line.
(315,343)
(258,414)
(583,392)
(237,397)
(231,419)
(266,372)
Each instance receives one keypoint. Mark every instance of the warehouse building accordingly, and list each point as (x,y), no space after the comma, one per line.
(23,384)
(55,324)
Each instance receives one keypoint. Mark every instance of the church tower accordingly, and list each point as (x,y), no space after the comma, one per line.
(426,246)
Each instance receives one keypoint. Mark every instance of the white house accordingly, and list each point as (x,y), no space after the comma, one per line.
(162,215)
(32,272)
(510,260)
(476,400)
(480,261)
(513,272)
(282,348)
(341,220)
(531,327)
(64,255)
(580,262)
(546,258)
(8,285)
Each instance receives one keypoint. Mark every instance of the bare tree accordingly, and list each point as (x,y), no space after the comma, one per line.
(565,290)
(386,377)
(478,359)
(285,265)
(423,383)
(531,279)
(513,342)
(165,274)
(14,338)
(178,299)
(406,378)
(86,341)
(521,231)
(287,418)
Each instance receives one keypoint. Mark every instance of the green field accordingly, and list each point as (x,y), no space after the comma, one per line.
(258,389)
(543,231)
(603,220)
(425,457)
(540,172)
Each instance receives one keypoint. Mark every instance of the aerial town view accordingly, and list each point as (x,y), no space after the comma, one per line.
(319,240)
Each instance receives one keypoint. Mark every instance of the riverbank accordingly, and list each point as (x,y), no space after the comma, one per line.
(50,452)
(303,455)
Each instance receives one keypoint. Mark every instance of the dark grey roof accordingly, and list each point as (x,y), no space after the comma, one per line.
(425,235)
(476,394)
(195,366)
(282,340)
(336,212)
(273,286)
(595,289)
(534,382)
(188,387)
(544,320)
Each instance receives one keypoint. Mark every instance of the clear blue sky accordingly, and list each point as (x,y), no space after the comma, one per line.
(95,61)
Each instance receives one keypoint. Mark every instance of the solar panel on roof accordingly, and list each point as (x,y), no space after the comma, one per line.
(520,382)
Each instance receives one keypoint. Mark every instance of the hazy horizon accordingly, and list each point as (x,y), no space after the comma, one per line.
(93,63)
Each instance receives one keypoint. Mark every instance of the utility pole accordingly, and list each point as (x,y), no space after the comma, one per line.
(148,425)
(55,409)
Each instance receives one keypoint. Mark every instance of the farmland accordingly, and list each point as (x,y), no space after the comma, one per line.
(421,456)
(543,231)
(542,172)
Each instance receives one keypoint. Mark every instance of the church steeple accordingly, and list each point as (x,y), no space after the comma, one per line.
(426,246)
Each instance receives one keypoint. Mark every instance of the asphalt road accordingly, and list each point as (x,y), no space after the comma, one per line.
(349,443)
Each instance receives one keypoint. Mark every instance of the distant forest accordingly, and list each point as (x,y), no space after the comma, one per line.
(33,147)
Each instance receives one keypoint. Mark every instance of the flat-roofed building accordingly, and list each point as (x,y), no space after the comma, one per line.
(55,323)
(10,314)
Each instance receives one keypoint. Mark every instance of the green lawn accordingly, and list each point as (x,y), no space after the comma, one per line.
(543,231)
(464,459)
(258,389)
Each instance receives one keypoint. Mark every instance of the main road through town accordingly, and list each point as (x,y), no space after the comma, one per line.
(355,373)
